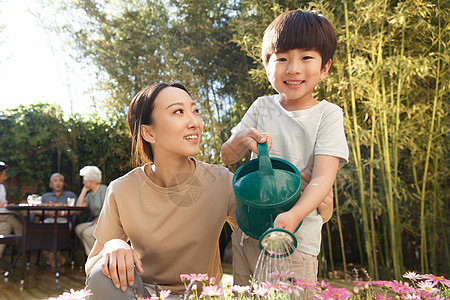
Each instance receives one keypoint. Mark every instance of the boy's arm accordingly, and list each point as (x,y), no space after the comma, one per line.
(323,176)
(238,144)
(325,208)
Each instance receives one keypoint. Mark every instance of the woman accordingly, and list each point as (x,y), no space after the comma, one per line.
(171,210)
(92,195)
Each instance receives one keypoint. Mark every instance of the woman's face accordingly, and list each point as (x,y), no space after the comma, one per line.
(88,183)
(177,127)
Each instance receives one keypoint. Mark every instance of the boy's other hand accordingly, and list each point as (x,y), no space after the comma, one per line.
(286,220)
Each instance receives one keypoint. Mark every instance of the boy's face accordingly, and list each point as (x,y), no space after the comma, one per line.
(295,73)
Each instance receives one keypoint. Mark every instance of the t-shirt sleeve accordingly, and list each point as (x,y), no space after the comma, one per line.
(102,194)
(331,138)
(109,225)
(248,120)
(88,198)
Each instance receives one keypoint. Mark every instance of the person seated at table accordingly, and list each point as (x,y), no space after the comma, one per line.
(92,195)
(57,195)
(8,223)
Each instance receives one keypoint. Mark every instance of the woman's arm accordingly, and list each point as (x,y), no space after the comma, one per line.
(118,262)
(323,176)
(80,201)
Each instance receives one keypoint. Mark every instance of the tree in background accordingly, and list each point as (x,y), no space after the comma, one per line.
(36,141)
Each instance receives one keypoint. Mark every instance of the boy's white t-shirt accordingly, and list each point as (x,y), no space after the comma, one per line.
(297,136)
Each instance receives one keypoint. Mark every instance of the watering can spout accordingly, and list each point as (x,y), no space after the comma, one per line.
(277,242)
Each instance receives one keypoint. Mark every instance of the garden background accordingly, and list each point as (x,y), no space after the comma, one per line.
(390,75)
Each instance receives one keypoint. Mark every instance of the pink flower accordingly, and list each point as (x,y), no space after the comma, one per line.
(73,295)
(199,277)
(281,275)
(359,282)
(427,286)
(212,280)
(212,291)
(412,276)
(164,294)
(437,279)
(412,297)
(240,289)
(185,277)
(272,287)
(307,285)
(336,293)
(381,283)
(399,287)
(259,290)
(380,296)
(323,285)
(290,288)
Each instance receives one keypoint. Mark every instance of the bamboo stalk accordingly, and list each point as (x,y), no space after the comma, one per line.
(330,246)
(423,234)
(341,235)
(373,100)
(389,194)
(357,154)
(395,143)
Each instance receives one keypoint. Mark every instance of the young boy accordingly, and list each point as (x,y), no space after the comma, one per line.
(297,50)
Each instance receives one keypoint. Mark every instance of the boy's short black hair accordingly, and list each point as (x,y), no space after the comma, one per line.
(3,166)
(297,29)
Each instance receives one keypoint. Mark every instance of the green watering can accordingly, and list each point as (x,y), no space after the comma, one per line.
(264,188)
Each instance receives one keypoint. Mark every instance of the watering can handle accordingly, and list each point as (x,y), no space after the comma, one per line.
(265,165)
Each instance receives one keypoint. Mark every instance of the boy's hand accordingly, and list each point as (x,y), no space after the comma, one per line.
(286,220)
(251,137)
(238,144)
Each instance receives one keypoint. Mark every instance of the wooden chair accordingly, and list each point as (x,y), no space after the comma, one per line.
(16,240)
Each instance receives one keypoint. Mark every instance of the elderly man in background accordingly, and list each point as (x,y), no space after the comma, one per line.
(57,195)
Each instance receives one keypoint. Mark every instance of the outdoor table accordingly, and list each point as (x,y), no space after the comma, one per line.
(48,236)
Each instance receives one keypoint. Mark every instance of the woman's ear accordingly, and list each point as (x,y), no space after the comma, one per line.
(146,133)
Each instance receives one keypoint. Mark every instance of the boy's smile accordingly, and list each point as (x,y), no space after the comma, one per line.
(294,74)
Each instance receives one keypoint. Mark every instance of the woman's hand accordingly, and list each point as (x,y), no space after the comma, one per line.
(119,260)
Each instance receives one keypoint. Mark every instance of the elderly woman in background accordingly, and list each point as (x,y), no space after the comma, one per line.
(92,195)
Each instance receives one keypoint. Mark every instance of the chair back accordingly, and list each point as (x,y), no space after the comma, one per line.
(16,239)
